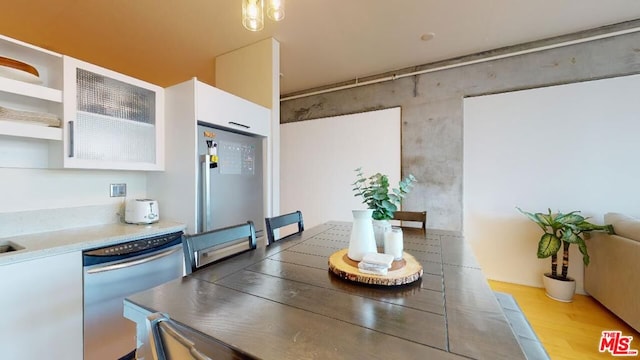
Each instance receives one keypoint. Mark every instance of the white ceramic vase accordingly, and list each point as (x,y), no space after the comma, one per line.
(559,290)
(380,227)
(362,240)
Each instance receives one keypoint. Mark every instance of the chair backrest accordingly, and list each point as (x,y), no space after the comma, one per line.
(415,216)
(207,247)
(167,342)
(276,222)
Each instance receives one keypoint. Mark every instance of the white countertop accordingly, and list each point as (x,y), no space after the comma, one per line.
(81,238)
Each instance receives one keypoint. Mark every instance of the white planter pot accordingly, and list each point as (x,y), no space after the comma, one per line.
(559,290)
(362,240)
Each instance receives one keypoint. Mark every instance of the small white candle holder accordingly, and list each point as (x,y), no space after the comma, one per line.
(393,243)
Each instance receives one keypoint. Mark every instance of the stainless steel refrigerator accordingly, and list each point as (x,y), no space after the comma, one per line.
(230,181)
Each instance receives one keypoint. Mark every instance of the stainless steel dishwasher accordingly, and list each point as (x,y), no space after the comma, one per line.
(115,272)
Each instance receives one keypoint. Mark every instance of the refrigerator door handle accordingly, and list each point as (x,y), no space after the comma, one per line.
(206,193)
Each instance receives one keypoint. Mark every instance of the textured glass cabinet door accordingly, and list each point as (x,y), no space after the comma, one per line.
(114,122)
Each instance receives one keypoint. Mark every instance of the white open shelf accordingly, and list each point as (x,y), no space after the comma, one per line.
(11,128)
(32,90)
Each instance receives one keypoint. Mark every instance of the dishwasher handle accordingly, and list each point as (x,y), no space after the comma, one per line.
(129,263)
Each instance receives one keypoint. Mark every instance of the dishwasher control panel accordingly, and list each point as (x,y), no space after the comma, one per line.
(135,246)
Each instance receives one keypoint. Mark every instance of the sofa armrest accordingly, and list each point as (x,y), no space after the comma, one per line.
(612,275)
(623,225)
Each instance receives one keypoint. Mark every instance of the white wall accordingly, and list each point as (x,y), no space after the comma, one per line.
(248,72)
(569,147)
(318,158)
(36,200)
(34,189)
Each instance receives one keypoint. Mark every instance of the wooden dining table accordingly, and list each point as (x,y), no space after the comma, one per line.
(281,302)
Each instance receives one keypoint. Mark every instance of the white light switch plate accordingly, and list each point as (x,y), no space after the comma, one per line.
(118,190)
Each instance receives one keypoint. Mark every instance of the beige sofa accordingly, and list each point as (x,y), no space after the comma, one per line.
(613,275)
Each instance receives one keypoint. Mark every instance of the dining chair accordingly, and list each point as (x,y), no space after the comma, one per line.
(413,216)
(207,247)
(276,222)
(168,342)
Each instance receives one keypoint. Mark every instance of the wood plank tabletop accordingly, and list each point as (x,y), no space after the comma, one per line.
(281,302)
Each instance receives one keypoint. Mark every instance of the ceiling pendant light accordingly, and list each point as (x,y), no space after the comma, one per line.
(275,10)
(253,14)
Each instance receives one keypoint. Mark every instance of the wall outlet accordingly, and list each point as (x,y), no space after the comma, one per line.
(118,190)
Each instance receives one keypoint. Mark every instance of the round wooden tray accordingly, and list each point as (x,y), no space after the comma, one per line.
(15,64)
(17,70)
(402,272)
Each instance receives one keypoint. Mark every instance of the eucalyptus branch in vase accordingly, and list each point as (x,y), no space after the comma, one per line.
(374,191)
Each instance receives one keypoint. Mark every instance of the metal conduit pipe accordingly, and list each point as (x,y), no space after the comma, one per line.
(471,62)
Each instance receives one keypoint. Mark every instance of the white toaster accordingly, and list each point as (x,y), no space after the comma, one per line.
(141,211)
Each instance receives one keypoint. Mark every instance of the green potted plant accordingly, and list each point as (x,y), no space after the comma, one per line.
(375,193)
(560,231)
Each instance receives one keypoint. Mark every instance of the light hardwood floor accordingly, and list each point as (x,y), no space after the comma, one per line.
(567,330)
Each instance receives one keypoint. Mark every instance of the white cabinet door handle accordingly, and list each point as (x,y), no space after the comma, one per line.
(238,124)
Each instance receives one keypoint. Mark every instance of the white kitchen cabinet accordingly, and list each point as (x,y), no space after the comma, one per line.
(218,107)
(111,121)
(107,120)
(25,144)
(41,306)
